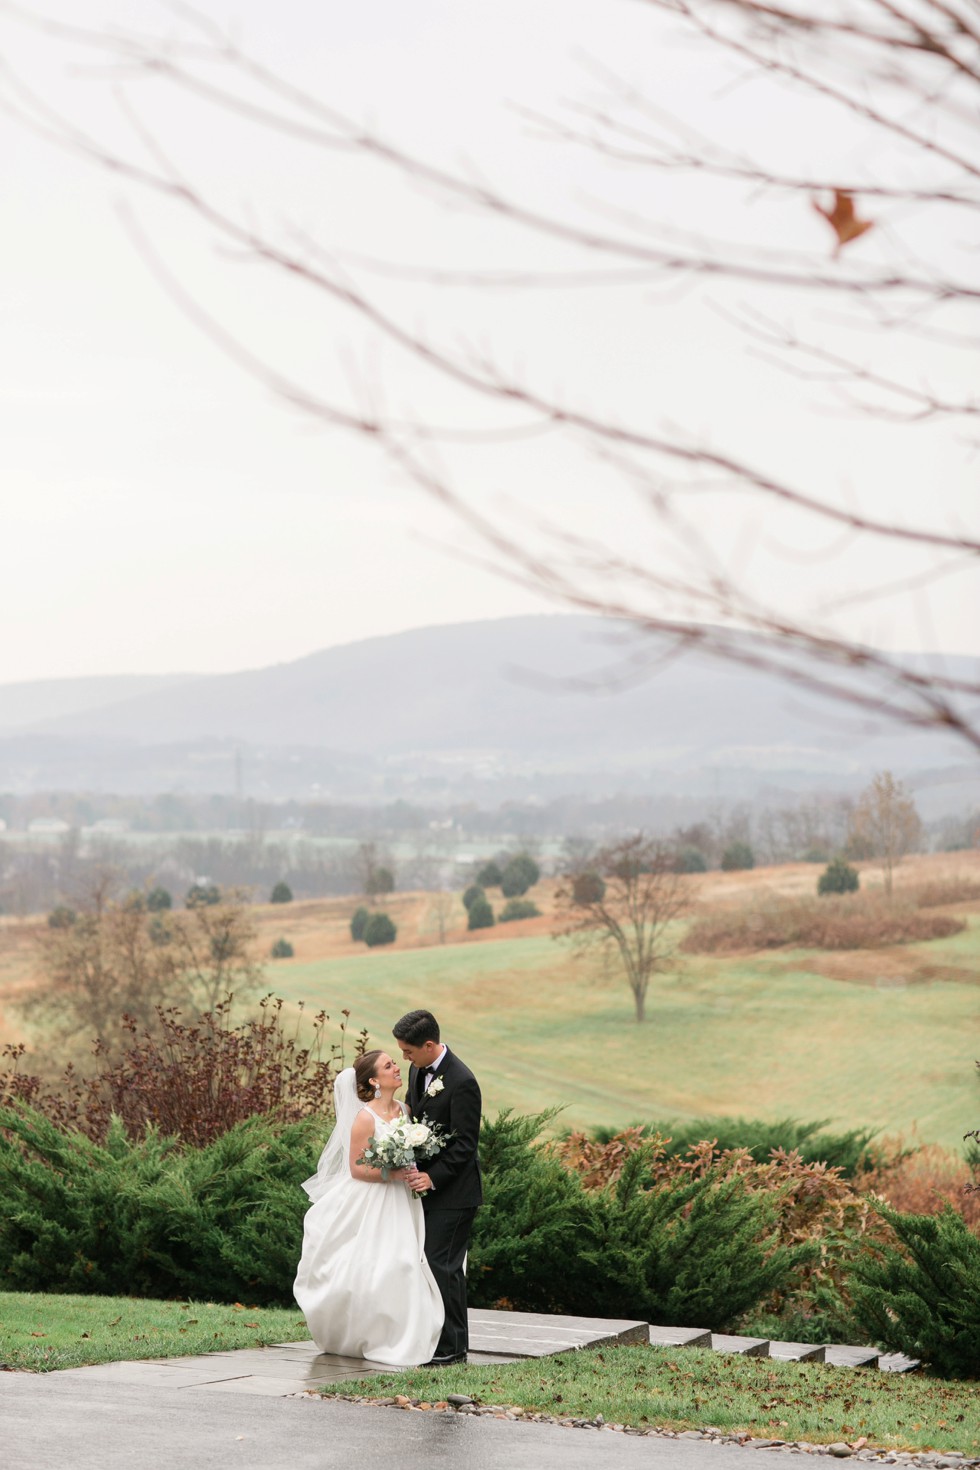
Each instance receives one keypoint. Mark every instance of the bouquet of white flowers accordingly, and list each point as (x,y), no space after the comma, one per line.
(408,1143)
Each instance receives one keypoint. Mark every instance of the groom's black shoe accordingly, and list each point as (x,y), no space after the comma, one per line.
(444,1362)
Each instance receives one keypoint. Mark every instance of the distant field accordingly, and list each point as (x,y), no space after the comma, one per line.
(885,1038)
(759,1036)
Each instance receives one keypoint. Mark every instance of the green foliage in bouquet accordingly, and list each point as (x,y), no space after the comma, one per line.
(922,1297)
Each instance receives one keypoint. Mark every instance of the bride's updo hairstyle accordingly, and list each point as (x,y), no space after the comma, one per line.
(363,1072)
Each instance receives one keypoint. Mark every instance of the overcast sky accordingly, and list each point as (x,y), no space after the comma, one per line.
(164,511)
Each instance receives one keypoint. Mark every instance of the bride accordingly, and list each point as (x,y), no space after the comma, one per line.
(363,1283)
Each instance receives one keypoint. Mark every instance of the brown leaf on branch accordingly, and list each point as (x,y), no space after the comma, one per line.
(842,219)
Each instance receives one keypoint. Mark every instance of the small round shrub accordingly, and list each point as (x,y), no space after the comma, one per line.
(736,857)
(520,874)
(282,950)
(158,900)
(490,875)
(282,893)
(481,914)
(471,895)
(61,917)
(518,908)
(358,923)
(160,929)
(587,888)
(838,877)
(202,895)
(691,860)
(380,880)
(378,930)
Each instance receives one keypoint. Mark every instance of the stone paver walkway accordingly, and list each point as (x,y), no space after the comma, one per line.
(291,1368)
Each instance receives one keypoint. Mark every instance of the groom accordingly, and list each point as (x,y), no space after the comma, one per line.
(442,1090)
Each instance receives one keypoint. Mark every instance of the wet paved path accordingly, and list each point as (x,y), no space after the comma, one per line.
(62,1420)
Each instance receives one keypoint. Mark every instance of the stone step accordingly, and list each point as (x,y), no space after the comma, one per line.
(898,1363)
(747,1347)
(852,1357)
(798,1352)
(698,1337)
(535,1335)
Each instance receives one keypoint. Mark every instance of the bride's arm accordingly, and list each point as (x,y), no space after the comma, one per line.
(360,1133)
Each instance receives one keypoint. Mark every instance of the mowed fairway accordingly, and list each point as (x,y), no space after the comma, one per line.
(763,1036)
(882,1038)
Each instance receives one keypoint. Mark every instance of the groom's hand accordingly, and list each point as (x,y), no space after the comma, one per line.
(420,1183)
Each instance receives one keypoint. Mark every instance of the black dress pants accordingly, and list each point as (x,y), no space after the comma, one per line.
(447,1236)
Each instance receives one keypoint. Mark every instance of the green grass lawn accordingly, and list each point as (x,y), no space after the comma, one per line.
(42,1332)
(691,1389)
(760,1036)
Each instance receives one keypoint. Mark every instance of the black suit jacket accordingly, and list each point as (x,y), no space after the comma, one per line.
(457,1107)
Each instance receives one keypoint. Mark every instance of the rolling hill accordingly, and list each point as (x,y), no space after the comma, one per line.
(531,697)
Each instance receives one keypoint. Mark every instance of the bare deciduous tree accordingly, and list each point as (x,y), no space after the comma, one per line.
(116,960)
(885,818)
(887,301)
(627,901)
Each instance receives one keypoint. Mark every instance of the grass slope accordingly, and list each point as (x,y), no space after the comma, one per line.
(691,1389)
(42,1332)
(761,1036)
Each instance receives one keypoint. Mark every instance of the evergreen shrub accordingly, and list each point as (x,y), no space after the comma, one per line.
(534,1236)
(737,857)
(838,877)
(520,874)
(471,894)
(379,930)
(700,1249)
(518,908)
(202,895)
(144,1217)
(358,923)
(281,893)
(851,1152)
(921,1297)
(480,914)
(282,950)
(380,880)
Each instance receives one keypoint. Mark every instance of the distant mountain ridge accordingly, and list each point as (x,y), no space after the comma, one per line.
(521,693)
(32,703)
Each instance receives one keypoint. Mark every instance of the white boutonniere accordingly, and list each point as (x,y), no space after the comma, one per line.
(436,1085)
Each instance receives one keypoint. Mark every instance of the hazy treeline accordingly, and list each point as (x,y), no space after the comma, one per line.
(318,848)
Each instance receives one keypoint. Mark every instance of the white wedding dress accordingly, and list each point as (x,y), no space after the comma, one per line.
(363,1282)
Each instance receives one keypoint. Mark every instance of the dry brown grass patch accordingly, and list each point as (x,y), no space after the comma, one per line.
(861,921)
(922,1181)
(945,890)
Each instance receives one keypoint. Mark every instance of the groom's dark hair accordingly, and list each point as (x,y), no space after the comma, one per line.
(416,1028)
